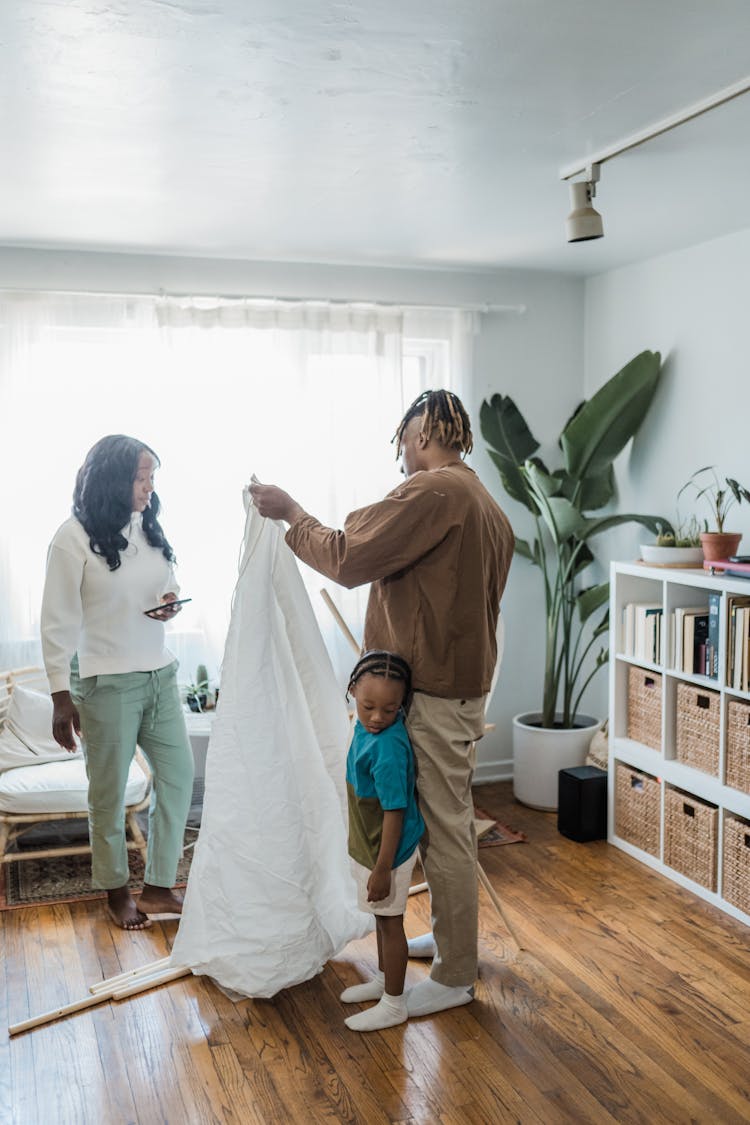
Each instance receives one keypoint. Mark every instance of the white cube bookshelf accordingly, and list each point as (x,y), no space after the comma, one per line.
(671,588)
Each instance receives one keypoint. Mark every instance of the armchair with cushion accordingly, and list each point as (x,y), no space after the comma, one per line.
(39,780)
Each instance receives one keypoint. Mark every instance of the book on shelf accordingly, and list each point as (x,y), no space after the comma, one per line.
(739,646)
(712,643)
(741,669)
(691,633)
(642,631)
(738,627)
(726,566)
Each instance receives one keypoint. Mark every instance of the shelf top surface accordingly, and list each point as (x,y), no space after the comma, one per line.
(683,577)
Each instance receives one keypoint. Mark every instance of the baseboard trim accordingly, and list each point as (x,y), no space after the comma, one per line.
(493,771)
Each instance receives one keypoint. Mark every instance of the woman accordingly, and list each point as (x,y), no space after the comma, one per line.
(107,565)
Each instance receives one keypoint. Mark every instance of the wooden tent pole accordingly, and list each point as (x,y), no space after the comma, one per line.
(116,989)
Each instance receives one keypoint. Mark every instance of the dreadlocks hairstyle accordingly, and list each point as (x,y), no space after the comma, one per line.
(385,664)
(443,417)
(103,498)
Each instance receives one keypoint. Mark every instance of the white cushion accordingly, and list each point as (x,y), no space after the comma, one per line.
(26,737)
(59,787)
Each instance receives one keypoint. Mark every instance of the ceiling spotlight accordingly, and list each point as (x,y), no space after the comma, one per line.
(584,222)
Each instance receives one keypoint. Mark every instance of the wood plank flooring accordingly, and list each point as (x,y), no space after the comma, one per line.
(629,1003)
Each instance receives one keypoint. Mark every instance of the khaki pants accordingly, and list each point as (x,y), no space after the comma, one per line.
(443,733)
(118,711)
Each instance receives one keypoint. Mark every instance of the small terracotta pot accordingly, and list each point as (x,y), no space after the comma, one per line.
(719,544)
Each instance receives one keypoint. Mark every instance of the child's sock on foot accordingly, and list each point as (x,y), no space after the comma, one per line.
(368,990)
(387,1013)
(430,996)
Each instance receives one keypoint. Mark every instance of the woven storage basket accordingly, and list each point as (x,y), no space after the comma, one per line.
(697,734)
(691,829)
(644,707)
(736,857)
(637,808)
(738,745)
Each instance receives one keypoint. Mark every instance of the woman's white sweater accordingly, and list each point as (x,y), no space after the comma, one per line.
(97,612)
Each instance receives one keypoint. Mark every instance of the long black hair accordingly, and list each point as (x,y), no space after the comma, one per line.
(103,498)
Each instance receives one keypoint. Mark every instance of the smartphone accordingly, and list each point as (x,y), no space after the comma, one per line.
(739,558)
(166,605)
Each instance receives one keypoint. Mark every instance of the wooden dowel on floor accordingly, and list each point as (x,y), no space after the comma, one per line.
(497,904)
(58,1013)
(142,984)
(112,992)
(131,974)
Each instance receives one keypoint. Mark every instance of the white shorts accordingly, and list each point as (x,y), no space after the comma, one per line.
(396,901)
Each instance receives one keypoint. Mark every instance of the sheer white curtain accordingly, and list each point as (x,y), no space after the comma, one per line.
(303,394)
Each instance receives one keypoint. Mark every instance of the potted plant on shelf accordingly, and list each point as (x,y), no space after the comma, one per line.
(560,500)
(721,496)
(681,547)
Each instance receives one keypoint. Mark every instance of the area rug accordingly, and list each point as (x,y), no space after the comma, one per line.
(59,879)
(41,882)
(491,833)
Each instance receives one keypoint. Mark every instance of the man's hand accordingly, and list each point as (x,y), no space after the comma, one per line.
(274,503)
(65,720)
(379,884)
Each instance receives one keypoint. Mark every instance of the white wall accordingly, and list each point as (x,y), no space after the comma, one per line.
(692,306)
(536,357)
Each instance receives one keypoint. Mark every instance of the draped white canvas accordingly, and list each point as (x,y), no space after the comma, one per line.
(270,898)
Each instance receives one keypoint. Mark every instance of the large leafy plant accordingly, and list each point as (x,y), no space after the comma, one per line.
(560,502)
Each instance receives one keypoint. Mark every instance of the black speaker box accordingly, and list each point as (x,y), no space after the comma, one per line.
(582,803)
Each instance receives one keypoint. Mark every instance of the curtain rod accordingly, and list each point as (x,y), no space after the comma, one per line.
(323,302)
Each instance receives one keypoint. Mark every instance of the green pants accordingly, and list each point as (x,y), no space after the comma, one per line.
(117,712)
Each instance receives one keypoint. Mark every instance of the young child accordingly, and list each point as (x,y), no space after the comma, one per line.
(385,827)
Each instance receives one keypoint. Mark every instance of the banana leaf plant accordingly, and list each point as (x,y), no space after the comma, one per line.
(561,502)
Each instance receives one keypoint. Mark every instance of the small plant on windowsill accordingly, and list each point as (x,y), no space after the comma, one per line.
(198,695)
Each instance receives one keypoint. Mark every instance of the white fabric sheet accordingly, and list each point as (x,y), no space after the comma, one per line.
(270,898)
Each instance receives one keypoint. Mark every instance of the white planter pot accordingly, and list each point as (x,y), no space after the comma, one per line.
(672,556)
(540,753)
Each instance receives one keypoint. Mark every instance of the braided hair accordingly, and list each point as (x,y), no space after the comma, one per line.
(379,663)
(443,417)
(103,498)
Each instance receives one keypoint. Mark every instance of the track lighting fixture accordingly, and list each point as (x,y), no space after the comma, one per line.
(584,222)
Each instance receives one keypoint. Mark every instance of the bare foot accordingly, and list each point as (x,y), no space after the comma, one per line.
(123,911)
(159,900)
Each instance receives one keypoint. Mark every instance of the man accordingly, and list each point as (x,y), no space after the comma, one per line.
(437,551)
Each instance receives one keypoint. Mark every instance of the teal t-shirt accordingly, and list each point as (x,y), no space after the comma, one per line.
(380,776)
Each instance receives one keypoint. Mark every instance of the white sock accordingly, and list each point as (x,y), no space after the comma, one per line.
(422,946)
(430,996)
(368,990)
(389,1011)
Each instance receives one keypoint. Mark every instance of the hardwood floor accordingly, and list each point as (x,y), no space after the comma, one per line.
(629,1003)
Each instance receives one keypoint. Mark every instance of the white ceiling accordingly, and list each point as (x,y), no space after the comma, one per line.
(420,133)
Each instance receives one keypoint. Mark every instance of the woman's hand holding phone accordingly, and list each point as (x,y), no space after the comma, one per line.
(169,607)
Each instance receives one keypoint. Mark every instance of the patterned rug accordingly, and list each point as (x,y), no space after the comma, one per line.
(37,882)
(491,833)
